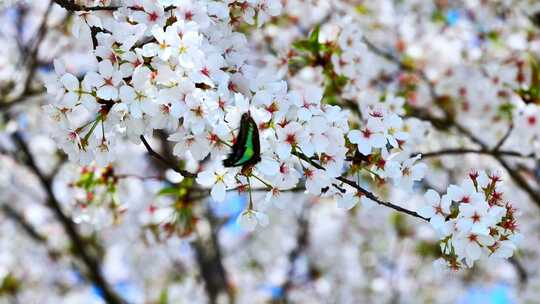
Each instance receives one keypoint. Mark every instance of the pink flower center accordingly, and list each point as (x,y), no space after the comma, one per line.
(153,16)
(308,173)
(205,72)
(367,133)
(291,139)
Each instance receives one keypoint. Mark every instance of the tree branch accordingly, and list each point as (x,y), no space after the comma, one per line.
(504,138)
(390,57)
(210,259)
(447,122)
(302,242)
(32,63)
(166,162)
(520,269)
(363,191)
(73,7)
(92,264)
(207,251)
(25,225)
(458,151)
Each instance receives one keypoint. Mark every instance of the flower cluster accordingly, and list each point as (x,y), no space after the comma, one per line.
(473,220)
(383,148)
(95,197)
(357,103)
(183,68)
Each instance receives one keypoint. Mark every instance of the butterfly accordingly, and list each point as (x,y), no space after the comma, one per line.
(246,151)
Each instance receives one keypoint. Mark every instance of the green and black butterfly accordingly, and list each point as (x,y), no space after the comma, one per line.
(246,151)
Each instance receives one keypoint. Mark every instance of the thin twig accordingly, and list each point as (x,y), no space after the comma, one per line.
(31,61)
(447,122)
(72,6)
(362,190)
(504,138)
(458,151)
(390,57)
(162,159)
(19,219)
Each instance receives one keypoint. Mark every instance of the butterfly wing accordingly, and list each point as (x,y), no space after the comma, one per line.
(239,145)
(246,151)
(252,148)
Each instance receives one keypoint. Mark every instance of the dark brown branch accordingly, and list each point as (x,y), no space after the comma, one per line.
(25,225)
(207,250)
(27,93)
(92,264)
(520,269)
(73,7)
(390,57)
(504,138)
(302,242)
(363,191)
(520,181)
(446,122)
(209,257)
(32,63)
(459,151)
(166,162)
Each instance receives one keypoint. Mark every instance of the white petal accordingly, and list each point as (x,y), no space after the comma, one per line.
(70,82)
(354,136)
(426,211)
(150,50)
(473,251)
(70,99)
(283,150)
(105,68)
(432,197)
(206,178)
(455,192)
(268,167)
(378,140)
(107,92)
(218,192)
(437,221)
(247,220)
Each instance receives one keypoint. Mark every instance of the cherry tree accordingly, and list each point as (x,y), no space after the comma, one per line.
(241,151)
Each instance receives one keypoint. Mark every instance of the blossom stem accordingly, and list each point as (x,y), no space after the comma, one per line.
(250,206)
(262,181)
(87,136)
